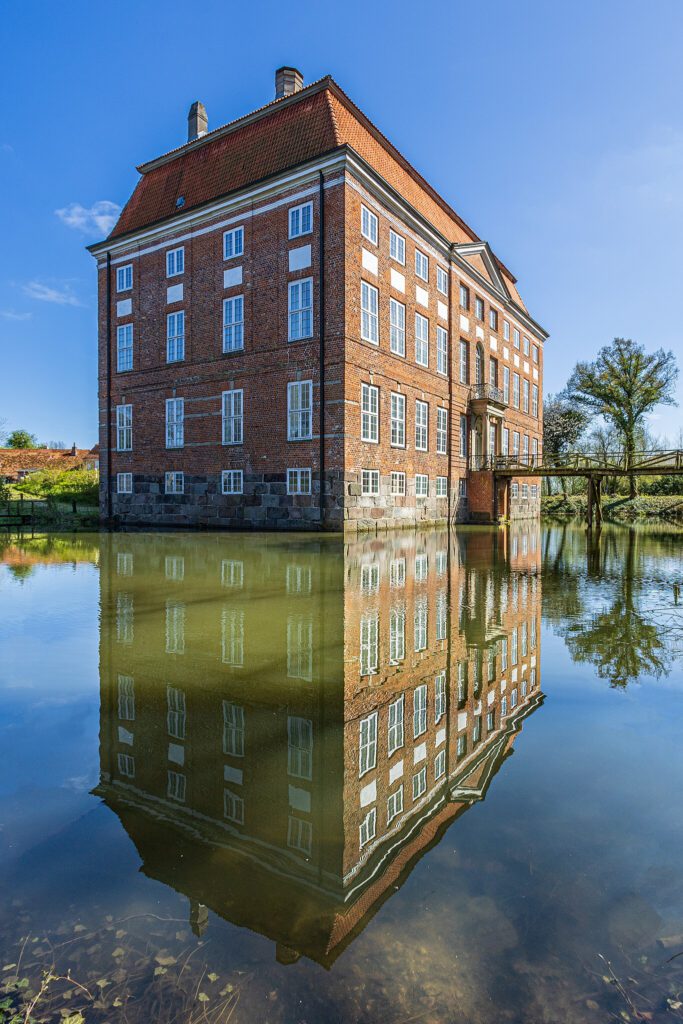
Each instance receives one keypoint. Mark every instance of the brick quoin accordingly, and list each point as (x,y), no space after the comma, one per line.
(310,145)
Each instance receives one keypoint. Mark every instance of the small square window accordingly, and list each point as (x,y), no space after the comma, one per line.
(232,481)
(421,485)
(368,225)
(124,278)
(442,486)
(175,262)
(233,243)
(370,482)
(301,220)
(398,484)
(298,481)
(174,483)
(124,483)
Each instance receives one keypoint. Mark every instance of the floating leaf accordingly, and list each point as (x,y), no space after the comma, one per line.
(102,982)
(212,976)
(227,990)
(159,970)
(117,1002)
(119,951)
(202,997)
(79,927)
(23,983)
(165,961)
(8,967)
(120,933)
(74,1018)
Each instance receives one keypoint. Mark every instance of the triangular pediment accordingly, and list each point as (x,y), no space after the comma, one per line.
(480,257)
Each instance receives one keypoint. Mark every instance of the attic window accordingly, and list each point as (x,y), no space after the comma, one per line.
(180,202)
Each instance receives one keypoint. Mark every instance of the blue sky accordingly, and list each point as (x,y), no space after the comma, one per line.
(555,130)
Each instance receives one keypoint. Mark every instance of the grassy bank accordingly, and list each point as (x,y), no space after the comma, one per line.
(618,509)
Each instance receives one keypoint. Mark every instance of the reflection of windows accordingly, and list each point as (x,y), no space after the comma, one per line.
(394,804)
(299,834)
(299,747)
(175,627)
(462,682)
(397,573)
(395,735)
(298,579)
(368,827)
(513,647)
(441,615)
(233,807)
(420,624)
(421,568)
(232,637)
(441,562)
(503,707)
(176,716)
(232,573)
(367,756)
(439,697)
(524,687)
(420,783)
(491,664)
(461,747)
(532,639)
(124,563)
(174,567)
(299,648)
(369,628)
(369,578)
(233,729)
(397,635)
(524,640)
(504,654)
(420,710)
(176,786)
(124,618)
(440,764)
(126,764)
(490,721)
(476,732)
(126,698)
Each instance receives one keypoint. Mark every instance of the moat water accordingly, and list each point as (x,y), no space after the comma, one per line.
(270,778)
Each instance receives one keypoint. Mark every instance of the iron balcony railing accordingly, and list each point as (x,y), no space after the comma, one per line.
(487,393)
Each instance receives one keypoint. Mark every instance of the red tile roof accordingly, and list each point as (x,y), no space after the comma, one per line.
(281,135)
(15,460)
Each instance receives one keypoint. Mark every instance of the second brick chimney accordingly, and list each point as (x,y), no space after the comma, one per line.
(287,82)
(197,121)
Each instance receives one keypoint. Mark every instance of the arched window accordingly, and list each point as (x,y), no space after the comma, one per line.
(479,365)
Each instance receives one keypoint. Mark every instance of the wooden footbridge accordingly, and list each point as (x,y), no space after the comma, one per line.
(594,467)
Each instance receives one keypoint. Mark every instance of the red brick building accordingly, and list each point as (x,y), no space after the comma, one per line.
(296,330)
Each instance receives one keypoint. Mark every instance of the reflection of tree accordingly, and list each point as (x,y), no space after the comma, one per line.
(626,637)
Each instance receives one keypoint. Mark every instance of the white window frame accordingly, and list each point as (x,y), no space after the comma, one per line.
(440,765)
(369,482)
(300,410)
(394,804)
(506,385)
(124,278)
(398,484)
(395,726)
(420,783)
(369,413)
(397,411)
(441,280)
(442,351)
(441,430)
(300,309)
(232,415)
(124,428)
(439,697)
(369,313)
(369,224)
(421,485)
(300,220)
(421,426)
(534,400)
(421,340)
(175,336)
(368,828)
(367,744)
(299,747)
(506,330)
(369,644)
(515,337)
(175,261)
(526,388)
(232,481)
(124,348)
(233,324)
(397,327)
(397,634)
(233,240)
(174,482)
(299,480)
(233,807)
(175,422)
(421,265)
(442,487)
(124,483)
(464,361)
(397,247)
(515,390)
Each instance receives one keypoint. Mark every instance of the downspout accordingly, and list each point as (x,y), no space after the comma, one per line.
(451,414)
(109,468)
(321,332)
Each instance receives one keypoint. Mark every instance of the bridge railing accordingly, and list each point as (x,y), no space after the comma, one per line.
(603,462)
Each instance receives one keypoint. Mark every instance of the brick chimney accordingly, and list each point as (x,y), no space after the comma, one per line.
(197,121)
(287,82)
(74,449)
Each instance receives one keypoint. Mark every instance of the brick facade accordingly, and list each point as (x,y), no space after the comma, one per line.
(337,259)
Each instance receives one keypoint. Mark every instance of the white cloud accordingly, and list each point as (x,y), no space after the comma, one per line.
(9,314)
(62,296)
(97,219)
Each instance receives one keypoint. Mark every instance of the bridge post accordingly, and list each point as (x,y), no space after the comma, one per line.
(598,501)
(589,509)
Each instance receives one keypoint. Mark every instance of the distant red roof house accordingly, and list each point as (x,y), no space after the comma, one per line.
(16,463)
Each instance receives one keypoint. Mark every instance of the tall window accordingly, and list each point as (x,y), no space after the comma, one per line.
(534,451)
(398,420)
(421,340)
(515,390)
(421,426)
(233,324)
(441,350)
(394,804)
(369,319)
(175,337)
(175,628)
(176,716)
(299,747)
(369,627)
(464,362)
(479,308)
(464,297)
(395,736)
(493,319)
(420,710)
(441,431)
(368,225)
(439,697)
(515,337)
(479,365)
(421,265)
(233,243)
(301,309)
(525,395)
(506,384)
(124,347)
(369,401)
(301,220)
(175,422)
(419,783)
(534,400)
(233,416)
(420,624)
(515,442)
(232,637)
(397,634)
(299,410)
(368,827)
(463,437)
(506,330)
(124,428)
(441,280)
(493,371)
(175,262)
(397,316)
(126,698)
(124,278)
(367,758)
(505,442)
(397,247)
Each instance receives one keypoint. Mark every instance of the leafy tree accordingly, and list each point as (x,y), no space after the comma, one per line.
(22,439)
(623,385)
(563,425)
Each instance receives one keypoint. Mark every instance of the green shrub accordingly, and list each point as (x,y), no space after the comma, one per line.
(80,485)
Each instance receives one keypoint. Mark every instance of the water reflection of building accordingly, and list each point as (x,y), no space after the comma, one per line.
(287,726)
